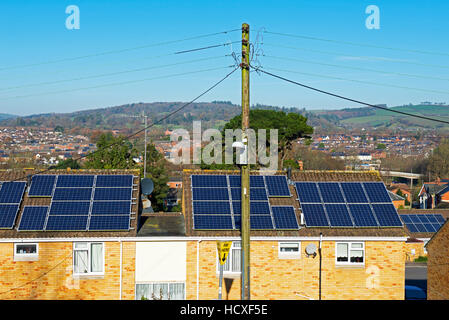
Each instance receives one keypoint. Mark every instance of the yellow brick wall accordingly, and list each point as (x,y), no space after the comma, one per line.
(438,265)
(382,276)
(419,251)
(51,276)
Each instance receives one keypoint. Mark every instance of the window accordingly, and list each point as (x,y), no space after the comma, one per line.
(233,262)
(289,250)
(88,258)
(26,252)
(160,291)
(350,253)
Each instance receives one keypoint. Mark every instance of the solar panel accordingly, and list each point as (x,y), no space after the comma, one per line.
(256,182)
(353,192)
(422,222)
(8,214)
(210,194)
(212,222)
(66,223)
(255,194)
(33,218)
(284,217)
(113,194)
(376,192)
(235,181)
(69,208)
(255,207)
(307,192)
(111,208)
(386,215)
(12,192)
(209,181)
(104,181)
(277,186)
(330,192)
(261,222)
(42,186)
(338,215)
(314,215)
(110,223)
(362,215)
(75,181)
(211,207)
(70,194)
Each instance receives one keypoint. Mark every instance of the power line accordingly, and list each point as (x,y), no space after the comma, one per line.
(118,51)
(109,74)
(114,84)
(361,81)
(350,99)
(208,47)
(145,128)
(358,68)
(334,53)
(357,44)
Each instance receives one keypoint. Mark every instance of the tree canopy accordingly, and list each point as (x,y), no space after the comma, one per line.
(112,153)
(439,160)
(290,126)
(157,171)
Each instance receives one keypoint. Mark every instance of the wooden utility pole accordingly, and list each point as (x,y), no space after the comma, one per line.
(245,222)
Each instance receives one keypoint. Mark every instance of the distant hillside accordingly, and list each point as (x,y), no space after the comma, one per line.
(212,115)
(383,118)
(4,116)
(216,113)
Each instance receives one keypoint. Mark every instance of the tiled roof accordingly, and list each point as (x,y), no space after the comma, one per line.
(443,212)
(394,196)
(9,175)
(305,175)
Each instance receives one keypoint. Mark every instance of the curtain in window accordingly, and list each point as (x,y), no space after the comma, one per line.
(80,261)
(357,256)
(342,252)
(159,290)
(176,291)
(96,252)
(143,291)
(236,258)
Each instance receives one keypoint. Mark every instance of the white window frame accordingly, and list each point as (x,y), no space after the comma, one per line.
(289,255)
(26,256)
(230,258)
(349,263)
(161,282)
(89,259)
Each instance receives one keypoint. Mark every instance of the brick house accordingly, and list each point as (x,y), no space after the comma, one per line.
(437,265)
(434,193)
(398,201)
(416,241)
(405,189)
(280,267)
(67,264)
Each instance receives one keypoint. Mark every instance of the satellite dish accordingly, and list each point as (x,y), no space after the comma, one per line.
(147,186)
(311,249)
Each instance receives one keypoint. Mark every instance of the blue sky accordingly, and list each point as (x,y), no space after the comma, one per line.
(34,32)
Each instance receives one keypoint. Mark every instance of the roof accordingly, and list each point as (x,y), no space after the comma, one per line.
(444,229)
(394,196)
(162,224)
(433,188)
(303,175)
(20,175)
(443,212)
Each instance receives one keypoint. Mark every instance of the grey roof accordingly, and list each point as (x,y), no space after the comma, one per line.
(433,188)
(394,196)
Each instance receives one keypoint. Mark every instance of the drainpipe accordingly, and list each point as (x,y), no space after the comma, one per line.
(319,251)
(121,266)
(198,270)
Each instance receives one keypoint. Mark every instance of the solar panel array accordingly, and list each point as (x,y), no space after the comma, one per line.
(216,203)
(423,222)
(346,204)
(80,203)
(11,193)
